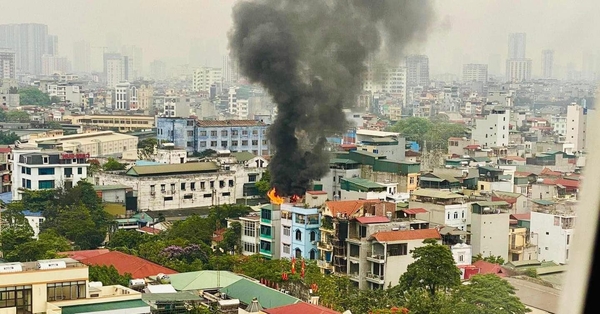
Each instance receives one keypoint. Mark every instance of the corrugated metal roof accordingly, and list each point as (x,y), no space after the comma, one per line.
(203,280)
(414,211)
(105,307)
(243,156)
(363,183)
(391,236)
(436,194)
(246,290)
(173,169)
(372,220)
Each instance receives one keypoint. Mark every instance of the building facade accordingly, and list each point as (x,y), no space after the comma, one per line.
(490,228)
(123,123)
(175,186)
(475,72)
(547,63)
(493,129)
(29,42)
(518,70)
(576,126)
(553,234)
(299,232)
(205,77)
(417,71)
(125,96)
(38,170)
(441,207)
(7,64)
(270,231)
(96,144)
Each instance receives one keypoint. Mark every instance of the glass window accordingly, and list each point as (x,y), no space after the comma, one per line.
(213,133)
(244,143)
(79,170)
(286,248)
(45,171)
(16,296)
(46,184)
(286,231)
(224,133)
(202,133)
(193,186)
(66,291)
(313,236)
(298,235)
(250,229)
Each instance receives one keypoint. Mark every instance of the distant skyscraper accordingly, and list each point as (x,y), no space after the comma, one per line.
(135,57)
(158,70)
(7,64)
(115,69)
(518,70)
(52,48)
(547,63)
(475,72)
(81,56)
(29,42)
(417,71)
(205,77)
(516,45)
(55,64)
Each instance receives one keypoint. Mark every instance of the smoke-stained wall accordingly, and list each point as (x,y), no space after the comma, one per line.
(310,55)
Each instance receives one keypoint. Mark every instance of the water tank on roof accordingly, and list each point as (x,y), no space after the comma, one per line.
(95,284)
(10,267)
(539,180)
(137,283)
(51,264)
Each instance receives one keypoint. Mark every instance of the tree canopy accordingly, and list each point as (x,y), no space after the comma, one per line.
(108,275)
(113,165)
(32,96)
(146,148)
(488,294)
(8,137)
(434,134)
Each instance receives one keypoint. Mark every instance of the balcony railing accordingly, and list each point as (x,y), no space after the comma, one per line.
(375,278)
(354,275)
(325,246)
(324,264)
(378,258)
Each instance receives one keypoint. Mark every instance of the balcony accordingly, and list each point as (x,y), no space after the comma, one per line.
(266,236)
(325,246)
(374,278)
(376,258)
(266,252)
(324,264)
(354,276)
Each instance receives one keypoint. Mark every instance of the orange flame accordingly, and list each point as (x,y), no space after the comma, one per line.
(274,198)
(294,198)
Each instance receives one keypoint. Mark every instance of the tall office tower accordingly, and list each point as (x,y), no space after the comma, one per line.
(55,64)
(135,57)
(547,63)
(52,48)
(7,64)
(417,71)
(158,70)
(81,56)
(475,72)
(29,42)
(518,70)
(114,69)
(516,45)
(205,77)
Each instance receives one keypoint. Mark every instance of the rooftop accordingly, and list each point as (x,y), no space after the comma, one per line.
(170,169)
(125,263)
(368,184)
(300,308)
(228,123)
(111,187)
(106,307)
(345,207)
(436,194)
(246,290)
(373,220)
(203,280)
(405,235)
(243,156)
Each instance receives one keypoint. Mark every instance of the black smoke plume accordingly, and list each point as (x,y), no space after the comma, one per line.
(310,56)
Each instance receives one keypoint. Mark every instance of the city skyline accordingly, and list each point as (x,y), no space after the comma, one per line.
(198,35)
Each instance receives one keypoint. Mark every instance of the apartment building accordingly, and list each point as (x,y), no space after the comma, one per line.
(36,169)
(67,92)
(247,167)
(339,168)
(442,207)
(552,230)
(250,239)
(201,135)
(125,96)
(123,123)
(61,286)
(520,246)
(5,170)
(299,232)
(494,179)
(205,77)
(175,186)
(270,231)
(490,228)
(96,144)
(493,129)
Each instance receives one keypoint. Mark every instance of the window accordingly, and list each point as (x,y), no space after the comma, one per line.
(68,172)
(225,194)
(313,236)
(455,215)
(212,184)
(190,133)
(223,143)
(188,196)
(202,143)
(265,214)
(46,184)
(162,188)
(265,246)
(461,258)
(254,142)
(231,183)
(249,247)
(448,215)
(213,143)
(312,254)
(300,219)
(264,142)
(244,132)
(463,214)
(16,296)
(298,253)
(568,238)
(66,291)
(286,249)
(221,183)
(45,159)
(45,171)
(250,229)
(234,132)
(265,231)
(298,235)
(183,186)
(193,186)
(152,190)
(202,185)
(224,133)
(244,143)
(254,132)
(412,180)
(207,195)
(397,249)
(234,143)
(286,231)
(168,198)
(172,187)
(213,133)
(251,178)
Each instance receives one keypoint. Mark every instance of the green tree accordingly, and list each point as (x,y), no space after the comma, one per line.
(108,275)
(146,148)
(194,229)
(413,128)
(55,100)
(8,137)
(488,294)
(47,246)
(264,184)
(113,165)
(53,125)
(435,132)
(494,259)
(17,116)
(94,167)
(76,224)
(204,153)
(231,238)
(16,231)
(433,269)
(130,239)
(33,97)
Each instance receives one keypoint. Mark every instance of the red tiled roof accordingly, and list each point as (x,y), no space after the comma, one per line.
(345,207)
(4,149)
(413,211)
(523,173)
(300,308)
(489,268)
(568,183)
(390,236)
(316,192)
(550,173)
(218,235)
(521,216)
(473,146)
(149,230)
(549,181)
(125,263)
(372,220)
(79,255)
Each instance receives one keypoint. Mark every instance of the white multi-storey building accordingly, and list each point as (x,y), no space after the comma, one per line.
(66,92)
(576,126)
(205,77)
(547,63)
(7,64)
(475,72)
(441,207)
(559,124)
(490,228)
(250,234)
(492,131)
(126,96)
(518,70)
(553,234)
(36,169)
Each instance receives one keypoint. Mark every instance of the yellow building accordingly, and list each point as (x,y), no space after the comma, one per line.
(61,286)
(123,123)
(93,143)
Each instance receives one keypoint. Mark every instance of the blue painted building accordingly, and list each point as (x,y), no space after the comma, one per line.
(200,135)
(299,232)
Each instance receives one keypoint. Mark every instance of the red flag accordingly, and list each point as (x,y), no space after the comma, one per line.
(293,266)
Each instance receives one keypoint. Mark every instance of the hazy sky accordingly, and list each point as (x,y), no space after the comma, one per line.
(466,30)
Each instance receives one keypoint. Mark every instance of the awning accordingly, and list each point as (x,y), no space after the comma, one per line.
(414,211)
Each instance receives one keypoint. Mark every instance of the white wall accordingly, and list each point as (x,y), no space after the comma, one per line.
(489,234)
(492,131)
(462,254)
(551,239)
(395,266)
